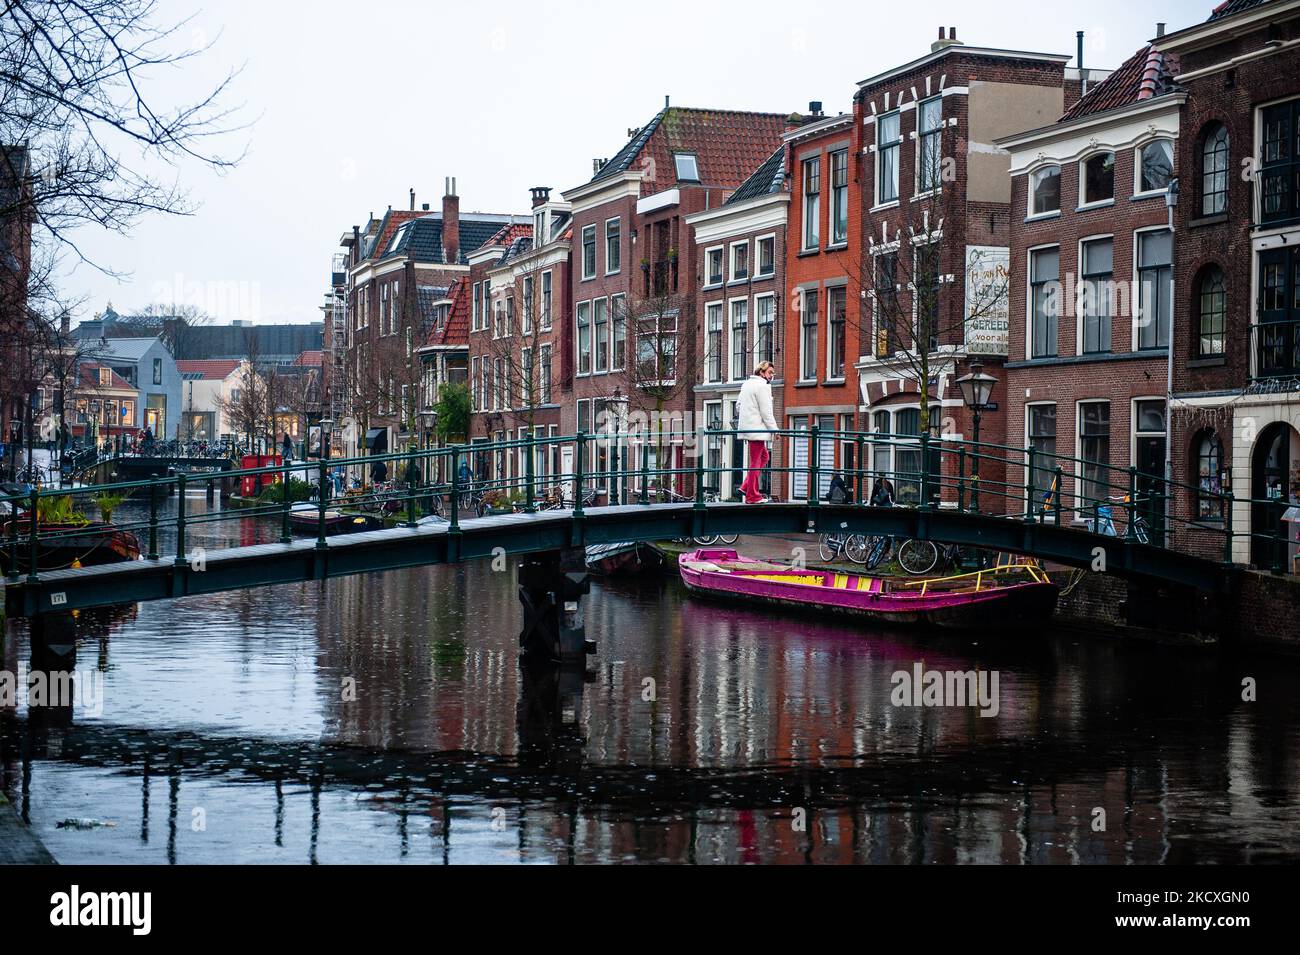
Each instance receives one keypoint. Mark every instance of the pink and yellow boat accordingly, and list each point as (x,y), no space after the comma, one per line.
(1009,595)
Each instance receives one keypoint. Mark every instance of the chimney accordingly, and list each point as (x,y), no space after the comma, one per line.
(1160,30)
(815,108)
(424,207)
(412,200)
(793,122)
(1078,63)
(541,195)
(945,41)
(65,323)
(451,223)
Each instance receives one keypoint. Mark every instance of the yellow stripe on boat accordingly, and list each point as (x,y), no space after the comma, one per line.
(841,581)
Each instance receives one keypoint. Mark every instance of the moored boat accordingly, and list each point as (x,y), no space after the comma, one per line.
(1008,595)
(61,545)
(304,518)
(624,557)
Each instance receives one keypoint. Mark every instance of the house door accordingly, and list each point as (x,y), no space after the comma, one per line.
(152,421)
(1269,466)
(1149,448)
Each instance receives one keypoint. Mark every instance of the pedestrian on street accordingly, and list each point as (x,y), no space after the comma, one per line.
(286,450)
(756,426)
(882,495)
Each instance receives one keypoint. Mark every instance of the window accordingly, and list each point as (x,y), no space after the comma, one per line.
(409,342)
(476,316)
(766,256)
(602,334)
(714,259)
(839,197)
(739,339)
(765,316)
(1214,171)
(526,378)
(808,336)
(887,144)
(1098,178)
(613,250)
(1095,292)
(527,328)
(1279,176)
(106,377)
(713,450)
(498,398)
(1044,298)
(157,371)
(1209,477)
(589,251)
(510,314)
(886,304)
(688,168)
(657,348)
(1155,166)
(1278,341)
(926,296)
(583,319)
(1155,287)
(619,321)
(836,315)
(739,261)
(394,313)
(713,342)
(907,457)
(546,301)
(1040,424)
(544,374)
(1212,309)
(881,449)
(1045,191)
(929,154)
(1094,451)
(812,176)
(475,399)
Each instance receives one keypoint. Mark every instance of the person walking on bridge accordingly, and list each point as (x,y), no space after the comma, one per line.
(756,426)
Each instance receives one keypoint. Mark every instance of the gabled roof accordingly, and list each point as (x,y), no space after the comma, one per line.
(90,379)
(1146,74)
(422,236)
(728,144)
(1229,7)
(210,369)
(766,180)
(455,331)
(123,349)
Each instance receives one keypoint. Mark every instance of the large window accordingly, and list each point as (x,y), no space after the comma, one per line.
(1045,190)
(1214,170)
(886,304)
(739,339)
(1044,298)
(526,325)
(583,319)
(766,257)
(544,374)
(1278,342)
(839,197)
(926,296)
(765,316)
(1212,310)
(657,348)
(930,152)
(836,316)
(812,178)
(907,456)
(1095,294)
(713,342)
(1094,452)
(1209,477)
(618,318)
(887,145)
(1098,178)
(1155,288)
(1155,166)
(1040,424)
(601,321)
(713,259)
(808,336)
(589,251)
(613,250)
(546,301)
(1279,177)
(739,261)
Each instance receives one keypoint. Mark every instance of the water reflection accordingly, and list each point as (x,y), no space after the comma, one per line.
(385,718)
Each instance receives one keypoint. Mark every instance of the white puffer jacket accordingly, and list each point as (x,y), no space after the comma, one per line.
(754,409)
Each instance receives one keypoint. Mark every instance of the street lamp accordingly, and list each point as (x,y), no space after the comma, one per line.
(976,387)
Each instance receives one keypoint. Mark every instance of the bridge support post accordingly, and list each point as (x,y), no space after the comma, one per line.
(53,639)
(551,587)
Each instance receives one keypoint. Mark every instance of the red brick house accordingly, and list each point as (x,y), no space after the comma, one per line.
(741,300)
(823,269)
(935,230)
(636,273)
(1090,298)
(1236,374)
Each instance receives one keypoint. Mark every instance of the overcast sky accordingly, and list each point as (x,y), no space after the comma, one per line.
(353,104)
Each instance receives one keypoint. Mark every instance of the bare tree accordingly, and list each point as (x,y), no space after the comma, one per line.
(172,323)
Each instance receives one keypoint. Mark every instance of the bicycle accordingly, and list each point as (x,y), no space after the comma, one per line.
(1103,522)
(852,546)
(919,557)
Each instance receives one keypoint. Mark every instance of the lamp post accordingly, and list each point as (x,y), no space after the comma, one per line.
(976,387)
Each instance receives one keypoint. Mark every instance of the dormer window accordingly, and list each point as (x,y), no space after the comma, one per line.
(688,168)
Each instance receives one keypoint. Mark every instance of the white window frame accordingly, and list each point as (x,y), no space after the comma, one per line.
(879,149)
(548,299)
(1078,297)
(1024,485)
(1077,457)
(815,201)
(1029,297)
(832,242)
(1034,213)
(582,251)
(754,352)
(1135,306)
(722,260)
(577,339)
(618,266)
(826,352)
(1138,192)
(731,262)
(758,243)
(729,316)
(802,324)
(918,192)
(1083,180)
(721,347)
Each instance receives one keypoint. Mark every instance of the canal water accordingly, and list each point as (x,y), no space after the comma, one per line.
(385,719)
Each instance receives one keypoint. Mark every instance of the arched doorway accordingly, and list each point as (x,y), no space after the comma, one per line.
(1270,469)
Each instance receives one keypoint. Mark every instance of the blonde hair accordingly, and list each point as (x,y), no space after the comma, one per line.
(764,366)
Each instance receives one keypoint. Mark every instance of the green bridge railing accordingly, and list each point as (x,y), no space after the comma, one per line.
(622,467)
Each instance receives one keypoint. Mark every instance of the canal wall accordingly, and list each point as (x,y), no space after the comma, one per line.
(18,845)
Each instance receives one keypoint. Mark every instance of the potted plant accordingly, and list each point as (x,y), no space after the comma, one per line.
(108,504)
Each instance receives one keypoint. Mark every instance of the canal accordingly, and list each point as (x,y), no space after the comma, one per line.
(385,719)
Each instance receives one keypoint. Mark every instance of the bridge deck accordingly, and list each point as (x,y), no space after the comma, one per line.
(300,560)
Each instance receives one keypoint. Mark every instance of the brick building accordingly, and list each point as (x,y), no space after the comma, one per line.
(636,273)
(742,301)
(823,270)
(935,196)
(397,270)
(1236,375)
(1090,304)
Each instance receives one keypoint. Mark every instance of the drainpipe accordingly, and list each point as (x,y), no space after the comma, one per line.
(1171,201)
